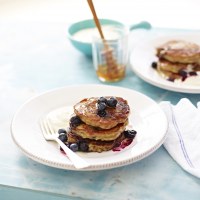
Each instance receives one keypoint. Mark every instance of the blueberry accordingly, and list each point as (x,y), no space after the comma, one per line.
(74,147)
(101,113)
(101,106)
(182,73)
(102,100)
(130,133)
(154,65)
(63,137)
(171,79)
(61,149)
(75,121)
(61,130)
(83,146)
(112,102)
(192,73)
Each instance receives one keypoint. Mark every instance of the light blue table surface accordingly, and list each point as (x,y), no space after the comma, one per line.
(38,57)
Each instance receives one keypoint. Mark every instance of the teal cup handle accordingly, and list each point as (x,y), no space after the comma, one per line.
(141,25)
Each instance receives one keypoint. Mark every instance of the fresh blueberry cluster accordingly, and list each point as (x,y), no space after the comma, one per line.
(80,146)
(129,136)
(103,103)
(184,74)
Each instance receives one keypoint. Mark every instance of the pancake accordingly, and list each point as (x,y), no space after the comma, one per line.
(86,131)
(177,59)
(96,145)
(168,74)
(179,51)
(172,67)
(87,111)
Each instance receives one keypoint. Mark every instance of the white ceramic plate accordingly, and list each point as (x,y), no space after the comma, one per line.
(146,117)
(144,54)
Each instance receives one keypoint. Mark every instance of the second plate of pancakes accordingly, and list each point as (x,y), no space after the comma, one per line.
(144,54)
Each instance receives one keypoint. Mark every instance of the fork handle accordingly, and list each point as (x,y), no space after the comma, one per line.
(78,162)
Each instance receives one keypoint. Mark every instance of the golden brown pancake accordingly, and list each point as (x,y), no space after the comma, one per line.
(178,59)
(96,145)
(171,67)
(168,74)
(86,131)
(179,51)
(87,111)
(173,71)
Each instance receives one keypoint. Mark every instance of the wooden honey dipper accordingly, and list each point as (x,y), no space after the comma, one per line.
(112,67)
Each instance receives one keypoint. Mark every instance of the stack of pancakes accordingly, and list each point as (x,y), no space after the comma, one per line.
(97,132)
(178,59)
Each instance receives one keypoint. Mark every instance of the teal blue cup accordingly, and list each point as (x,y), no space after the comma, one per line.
(86,46)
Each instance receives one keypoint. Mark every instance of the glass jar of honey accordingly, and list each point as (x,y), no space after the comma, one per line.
(110,57)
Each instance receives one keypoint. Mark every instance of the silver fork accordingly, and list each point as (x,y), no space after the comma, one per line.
(50,134)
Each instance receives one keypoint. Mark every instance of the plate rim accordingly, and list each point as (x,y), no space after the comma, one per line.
(163,84)
(69,166)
